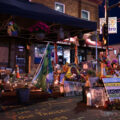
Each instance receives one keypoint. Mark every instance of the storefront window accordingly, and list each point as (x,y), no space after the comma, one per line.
(115,52)
(67,55)
(119,58)
(39,52)
(64,53)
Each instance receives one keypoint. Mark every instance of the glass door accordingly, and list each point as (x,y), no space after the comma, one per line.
(21,58)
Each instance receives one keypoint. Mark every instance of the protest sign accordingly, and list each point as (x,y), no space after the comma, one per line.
(72,88)
(112,86)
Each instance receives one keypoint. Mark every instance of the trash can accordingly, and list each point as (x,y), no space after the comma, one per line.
(23,95)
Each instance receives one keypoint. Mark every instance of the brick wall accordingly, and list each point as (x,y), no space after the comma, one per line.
(73,7)
(92,8)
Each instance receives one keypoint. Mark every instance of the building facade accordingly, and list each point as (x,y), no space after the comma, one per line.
(86,9)
(20,51)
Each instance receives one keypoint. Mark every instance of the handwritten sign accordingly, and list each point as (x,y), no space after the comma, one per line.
(112,86)
(72,88)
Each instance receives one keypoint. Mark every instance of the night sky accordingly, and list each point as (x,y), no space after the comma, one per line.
(113,38)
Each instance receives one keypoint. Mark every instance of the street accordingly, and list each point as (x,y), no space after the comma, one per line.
(68,108)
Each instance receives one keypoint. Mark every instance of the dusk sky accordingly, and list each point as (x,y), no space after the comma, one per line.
(115,12)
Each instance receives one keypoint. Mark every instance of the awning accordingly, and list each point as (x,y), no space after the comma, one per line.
(40,12)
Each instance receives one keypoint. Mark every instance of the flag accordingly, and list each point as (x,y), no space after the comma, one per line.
(46,68)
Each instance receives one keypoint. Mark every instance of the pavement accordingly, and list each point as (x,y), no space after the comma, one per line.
(63,108)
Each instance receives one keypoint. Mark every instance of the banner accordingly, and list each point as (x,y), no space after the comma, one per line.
(72,88)
(112,25)
(112,86)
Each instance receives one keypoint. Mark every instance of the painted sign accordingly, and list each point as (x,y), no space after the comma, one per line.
(112,25)
(112,86)
(98,96)
(72,88)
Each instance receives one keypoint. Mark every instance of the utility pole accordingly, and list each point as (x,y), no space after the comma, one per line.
(106,17)
(107,9)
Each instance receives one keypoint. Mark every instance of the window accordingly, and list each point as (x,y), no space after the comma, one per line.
(115,52)
(60,7)
(119,59)
(85,15)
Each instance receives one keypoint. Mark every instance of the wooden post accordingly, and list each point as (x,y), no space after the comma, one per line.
(55,51)
(76,54)
(102,67)
(76,50)
(29,69)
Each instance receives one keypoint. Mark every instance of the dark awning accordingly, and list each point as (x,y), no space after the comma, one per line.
(40,12)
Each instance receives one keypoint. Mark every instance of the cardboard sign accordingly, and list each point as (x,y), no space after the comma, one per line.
(112,86)
(72,88)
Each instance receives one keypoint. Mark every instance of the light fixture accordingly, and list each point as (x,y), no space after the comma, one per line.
(60,34)
(58,8)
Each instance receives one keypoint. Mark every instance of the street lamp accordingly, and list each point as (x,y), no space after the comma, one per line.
(107,9)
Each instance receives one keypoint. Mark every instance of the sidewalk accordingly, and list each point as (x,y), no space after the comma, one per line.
(9,100)
(63,108)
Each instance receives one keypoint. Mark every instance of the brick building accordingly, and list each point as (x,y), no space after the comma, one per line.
(86,9)
(19,50)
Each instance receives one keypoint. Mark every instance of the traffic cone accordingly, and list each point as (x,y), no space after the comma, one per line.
(17,72)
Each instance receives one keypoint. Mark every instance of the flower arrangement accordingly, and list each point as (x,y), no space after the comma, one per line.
(115,104)
(39,27)
(12,29)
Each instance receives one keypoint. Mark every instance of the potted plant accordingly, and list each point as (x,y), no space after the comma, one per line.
(39,29)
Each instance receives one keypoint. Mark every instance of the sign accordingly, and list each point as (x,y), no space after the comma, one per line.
(72,88)
(112,25)
(64,43)
(112,86)
(98,96)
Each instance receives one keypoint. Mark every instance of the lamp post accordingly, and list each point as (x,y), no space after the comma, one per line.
(107,9)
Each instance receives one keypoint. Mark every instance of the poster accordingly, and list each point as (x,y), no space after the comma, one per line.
(112,86)
(98,96)
(72,88)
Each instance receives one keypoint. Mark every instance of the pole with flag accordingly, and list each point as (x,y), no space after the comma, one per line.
(45,68)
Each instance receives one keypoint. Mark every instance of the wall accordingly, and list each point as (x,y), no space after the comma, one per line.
(73,7)
(4,52)
(92,7)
